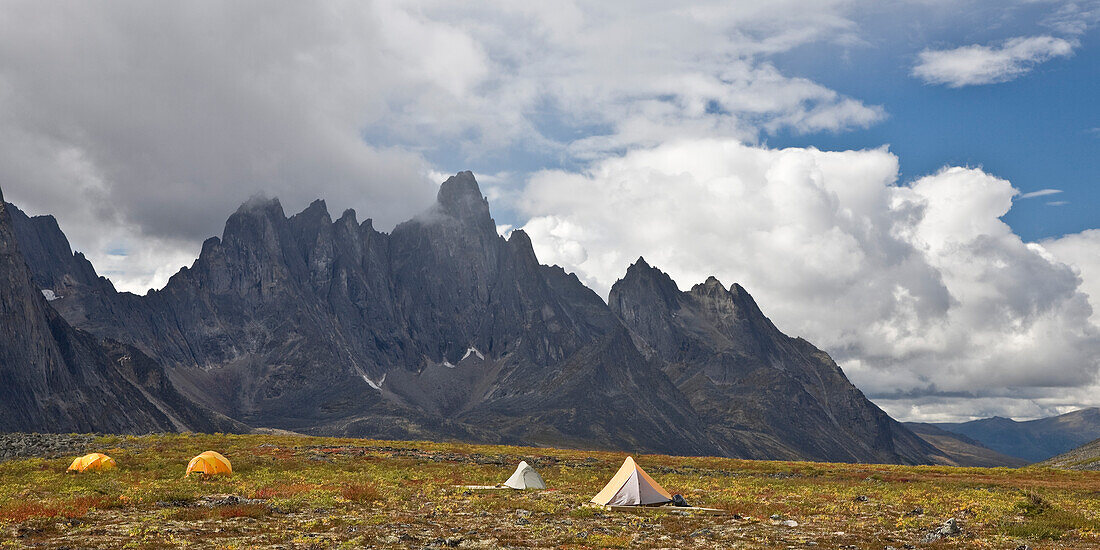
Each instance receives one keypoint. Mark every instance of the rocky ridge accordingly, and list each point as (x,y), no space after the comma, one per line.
(444,329)
(56,378)
(1085,457)
(769,395)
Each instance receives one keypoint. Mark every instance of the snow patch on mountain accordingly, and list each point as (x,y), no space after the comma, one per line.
(376,385)
(472,351)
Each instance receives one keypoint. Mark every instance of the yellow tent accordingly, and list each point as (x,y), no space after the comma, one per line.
(209,463)
(631,486)
(92,462)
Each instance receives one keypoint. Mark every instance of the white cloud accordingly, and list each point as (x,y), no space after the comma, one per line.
(1073,17)
(976,64)
(148,123)
(1082,252)
(143,125)
(938,409)
(1040,193)
(918,290)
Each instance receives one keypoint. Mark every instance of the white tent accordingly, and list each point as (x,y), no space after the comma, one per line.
(525,478)
(631,486)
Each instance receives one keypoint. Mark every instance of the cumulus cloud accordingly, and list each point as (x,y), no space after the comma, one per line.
(141,125)
(919,290)
(977,64)
(1082,252)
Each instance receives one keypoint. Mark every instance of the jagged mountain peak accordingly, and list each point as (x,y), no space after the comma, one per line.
(316,209)
(520,241)
(641,274)
(643,277)
(312,221)
(209,245)
(47,219)
(519,236)
(460,196)
(644,284)
(261,204)
(712,287)
(43,244)
(716,343)
(733,302)
(349,217)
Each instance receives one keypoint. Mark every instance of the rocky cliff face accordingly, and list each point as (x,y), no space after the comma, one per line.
(442,328)
(765,394)
(54,378)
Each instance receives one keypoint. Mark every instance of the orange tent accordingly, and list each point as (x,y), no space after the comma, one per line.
(209,463)
(92,462)
(631,486)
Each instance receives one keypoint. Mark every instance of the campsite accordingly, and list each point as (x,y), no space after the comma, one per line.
(289,491)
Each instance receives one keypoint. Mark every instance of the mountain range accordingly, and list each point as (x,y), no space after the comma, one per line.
(963,450)
(1031,440)
(439,329)
(60,379)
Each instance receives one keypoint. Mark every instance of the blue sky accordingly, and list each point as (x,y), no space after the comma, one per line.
(1037,130)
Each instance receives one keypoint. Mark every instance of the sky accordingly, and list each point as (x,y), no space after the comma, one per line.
(910,185)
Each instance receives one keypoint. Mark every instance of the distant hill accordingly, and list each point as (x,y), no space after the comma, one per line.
(1033,440)
(1085,457)
(962,450)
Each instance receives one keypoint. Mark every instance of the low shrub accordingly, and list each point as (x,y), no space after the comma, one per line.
(18,513)
(243,511)
(360,492)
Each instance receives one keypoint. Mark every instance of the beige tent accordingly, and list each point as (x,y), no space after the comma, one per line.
(525,478)
(631,486)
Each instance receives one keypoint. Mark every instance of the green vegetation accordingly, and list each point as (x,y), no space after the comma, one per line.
(1039,518)
(303,492)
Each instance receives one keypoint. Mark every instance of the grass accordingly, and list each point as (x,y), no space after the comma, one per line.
(1040,519)
(326,492)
